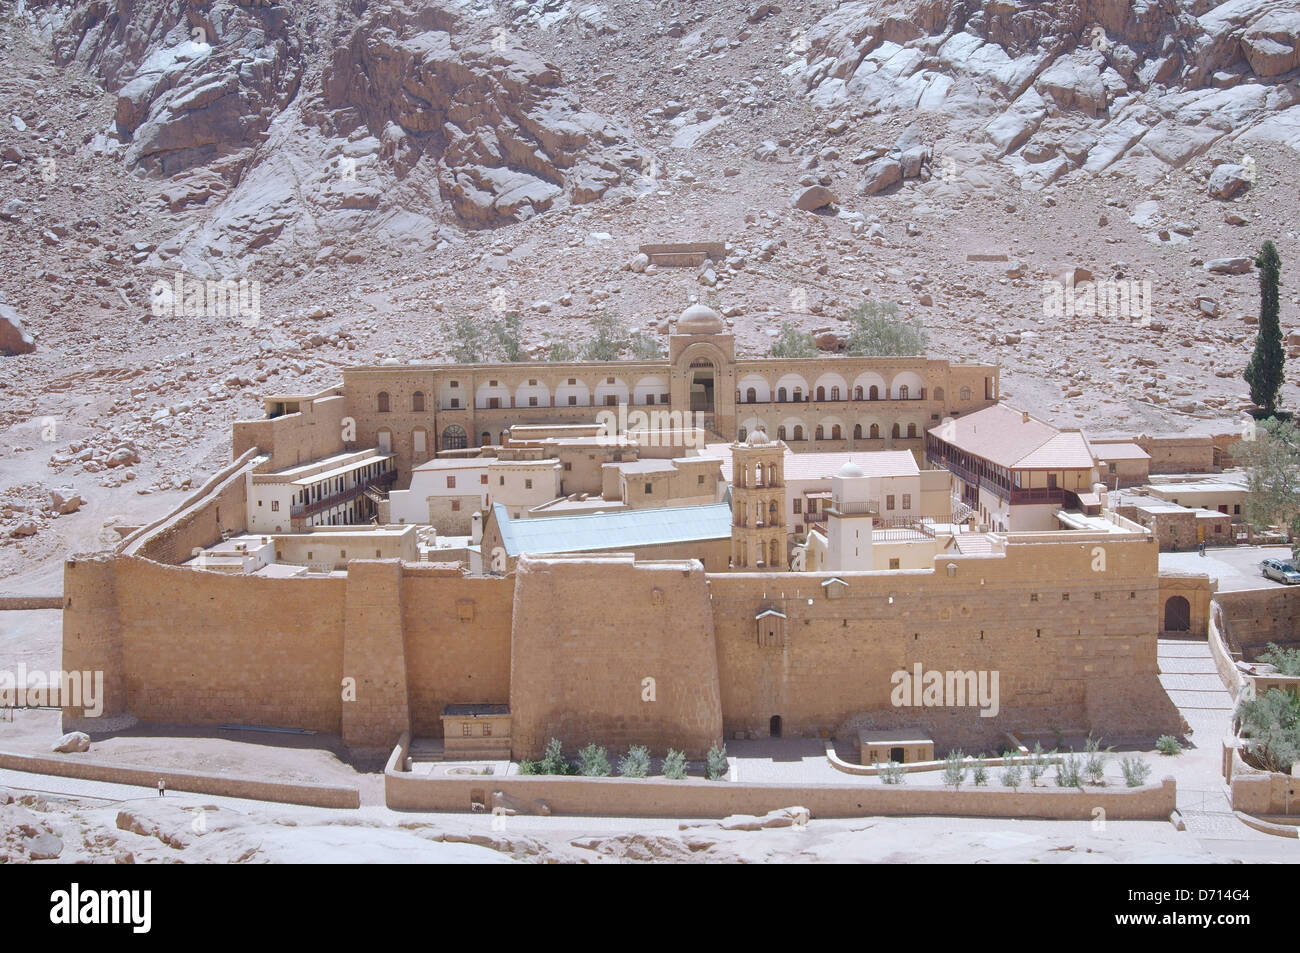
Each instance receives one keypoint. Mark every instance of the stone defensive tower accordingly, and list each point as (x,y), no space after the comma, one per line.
(758,503)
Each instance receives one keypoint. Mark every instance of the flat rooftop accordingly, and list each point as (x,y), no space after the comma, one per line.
(603,531)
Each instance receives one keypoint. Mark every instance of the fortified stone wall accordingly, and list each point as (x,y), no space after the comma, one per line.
(315,431)
(221,505)
(1252,618)
(588,634)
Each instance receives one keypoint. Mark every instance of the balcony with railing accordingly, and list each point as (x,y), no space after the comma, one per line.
(307,510)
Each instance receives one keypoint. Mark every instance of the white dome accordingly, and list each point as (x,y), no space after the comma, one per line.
(757,438)
(700,319)
(850,469)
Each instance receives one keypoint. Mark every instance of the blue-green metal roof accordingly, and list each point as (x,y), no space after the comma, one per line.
(620,529)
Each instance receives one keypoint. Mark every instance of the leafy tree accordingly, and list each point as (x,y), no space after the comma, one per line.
(1012,773)
(980,773)
(636,763)
(1270,729)
(1264,373)
(715,765)
(646,347)
(593,761)
(675,765)
(876,330)
(1095,760)
(610,338)
(1038,762)
(1069,772)
(1286,661)
(793,342)
(467,340)
(1271,456)
(508,335)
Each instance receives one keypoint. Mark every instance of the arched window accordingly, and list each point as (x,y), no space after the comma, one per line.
(774,558)
(875,431)
(417,402)
(965,393)
(484,439)
(836,432)
(758,474)
(821,394)
(771,512)
(780,433)
(742,435)
(902,392)
(896,432)
(835,393)
(780,395)
(798,395)
(819,434)
(911,430)
(938,393)
(381,402)
(771,474)
(857,431)
(874,393)
(751,395)
(798,431)
(857,393)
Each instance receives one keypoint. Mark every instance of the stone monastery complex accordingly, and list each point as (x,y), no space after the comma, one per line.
(488,556)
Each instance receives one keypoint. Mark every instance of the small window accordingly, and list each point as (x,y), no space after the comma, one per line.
(528,484)
(609,380)
(1033,597)
(889,501)
(378,554)
(649,488)
(455,383)
(650,399)
(700,479)
(573,400)
(487,731)
(1132,595)
(455,403)
(492,383)
(568,465)
(343,554)
(798,505)
(501,481)
(895,564)
(482,478)
(907,501)
(1065,597)
(275,506)
(455,506)
(532,383)
(532,401)
(309,555)
(611,400)
(451,483)
(466,729)
(573,381)
(1096,596)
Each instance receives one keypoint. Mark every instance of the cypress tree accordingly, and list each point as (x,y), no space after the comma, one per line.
(1264,373)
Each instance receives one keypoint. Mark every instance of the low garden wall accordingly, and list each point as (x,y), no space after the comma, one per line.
(1262,792)
(694,797)
(194,782)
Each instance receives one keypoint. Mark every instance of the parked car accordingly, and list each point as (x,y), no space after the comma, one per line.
(1280,571)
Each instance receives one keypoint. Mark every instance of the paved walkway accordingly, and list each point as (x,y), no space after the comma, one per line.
(1188,674)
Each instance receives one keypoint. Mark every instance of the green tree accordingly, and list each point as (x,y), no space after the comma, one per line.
(1271,456)
(593,762)
(793,342)
(636,764)
(715,765)
(553,760)
(1287,661)
(610,338)
(562,352)
(1264,373)
(876,330)
(646,347)
(467,340)
(1270,728)
(675,765)
(508,335)
(954,769)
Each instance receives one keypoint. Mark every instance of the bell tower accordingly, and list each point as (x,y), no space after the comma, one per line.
(758,504)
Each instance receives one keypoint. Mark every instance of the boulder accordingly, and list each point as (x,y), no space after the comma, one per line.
(44,847)
(122,456)
(1228,181)
(25,528)
(1272,43)
(14,339)
(65,500)
(814,197)
(880,175)
(638,262)
(1229,266)
(72,742)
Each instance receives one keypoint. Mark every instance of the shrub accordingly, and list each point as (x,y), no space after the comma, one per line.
(1012,774)
(594,762)
(467,340)
(793,343)
(1136,771)
(675,765)
(1095,760)
(610,338)
(561,352)
(553,760)
(876,330)
(954,769)
(1037,766)
(1069,773)
(1270,729)
(646,347)
(1168,745)
(636,763)
(980,773)
(892,773)
(716,764)
(507,334)
(1287,661)
(528,767)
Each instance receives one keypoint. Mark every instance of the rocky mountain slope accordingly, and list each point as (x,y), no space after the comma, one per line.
(372,171)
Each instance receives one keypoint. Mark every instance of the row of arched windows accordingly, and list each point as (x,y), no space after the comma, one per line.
(384,404)
(836,432)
